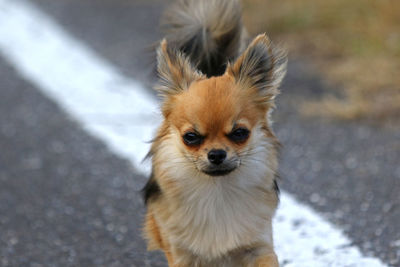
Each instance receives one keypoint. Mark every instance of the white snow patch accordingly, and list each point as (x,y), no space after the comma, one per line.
(118,111)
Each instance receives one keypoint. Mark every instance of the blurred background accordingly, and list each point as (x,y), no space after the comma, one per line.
(354,44)
(67,200)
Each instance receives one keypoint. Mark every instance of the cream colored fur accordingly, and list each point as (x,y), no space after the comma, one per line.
(211,85)
(212,217)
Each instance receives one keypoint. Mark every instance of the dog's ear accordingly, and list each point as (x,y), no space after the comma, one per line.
(261,67)
(175,71)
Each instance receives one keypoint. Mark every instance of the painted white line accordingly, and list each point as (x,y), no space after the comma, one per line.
(118,111)
(91,90)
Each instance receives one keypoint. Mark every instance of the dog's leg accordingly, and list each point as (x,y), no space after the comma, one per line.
(269,260)
(170,254)
(170,259)
(156,240)
(262,256)
(180,258)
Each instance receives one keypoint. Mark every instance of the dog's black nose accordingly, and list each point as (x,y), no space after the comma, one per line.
(216,156)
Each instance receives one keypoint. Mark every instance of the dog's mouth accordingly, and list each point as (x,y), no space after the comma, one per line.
(218,172)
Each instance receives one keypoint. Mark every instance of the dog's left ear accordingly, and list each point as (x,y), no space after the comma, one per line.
(261,67)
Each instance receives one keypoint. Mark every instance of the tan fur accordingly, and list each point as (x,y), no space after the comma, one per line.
(175,71)
(203,220)
(213,217)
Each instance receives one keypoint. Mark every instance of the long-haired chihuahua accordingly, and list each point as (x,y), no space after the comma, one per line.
(213,191)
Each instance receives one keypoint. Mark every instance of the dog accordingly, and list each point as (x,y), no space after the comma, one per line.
(213,191)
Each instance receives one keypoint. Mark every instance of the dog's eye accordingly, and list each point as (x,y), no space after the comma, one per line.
(192,139)
(239,135)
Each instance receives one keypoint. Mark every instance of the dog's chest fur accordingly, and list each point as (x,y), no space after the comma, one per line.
(219,215)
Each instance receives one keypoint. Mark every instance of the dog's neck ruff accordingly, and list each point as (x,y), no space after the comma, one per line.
(210,216)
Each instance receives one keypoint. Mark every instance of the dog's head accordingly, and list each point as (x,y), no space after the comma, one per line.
(216,125)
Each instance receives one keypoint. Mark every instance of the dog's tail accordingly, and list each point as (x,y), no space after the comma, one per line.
(209,32)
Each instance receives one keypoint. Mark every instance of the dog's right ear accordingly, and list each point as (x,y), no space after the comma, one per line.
(175,71)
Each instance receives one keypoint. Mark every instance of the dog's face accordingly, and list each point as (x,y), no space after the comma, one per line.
(218,124)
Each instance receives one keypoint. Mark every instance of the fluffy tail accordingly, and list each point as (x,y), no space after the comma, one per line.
(209,32)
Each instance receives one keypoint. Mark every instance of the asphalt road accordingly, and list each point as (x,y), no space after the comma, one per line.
(65,200)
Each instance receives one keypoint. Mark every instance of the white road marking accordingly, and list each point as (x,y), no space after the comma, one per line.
(118,111)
